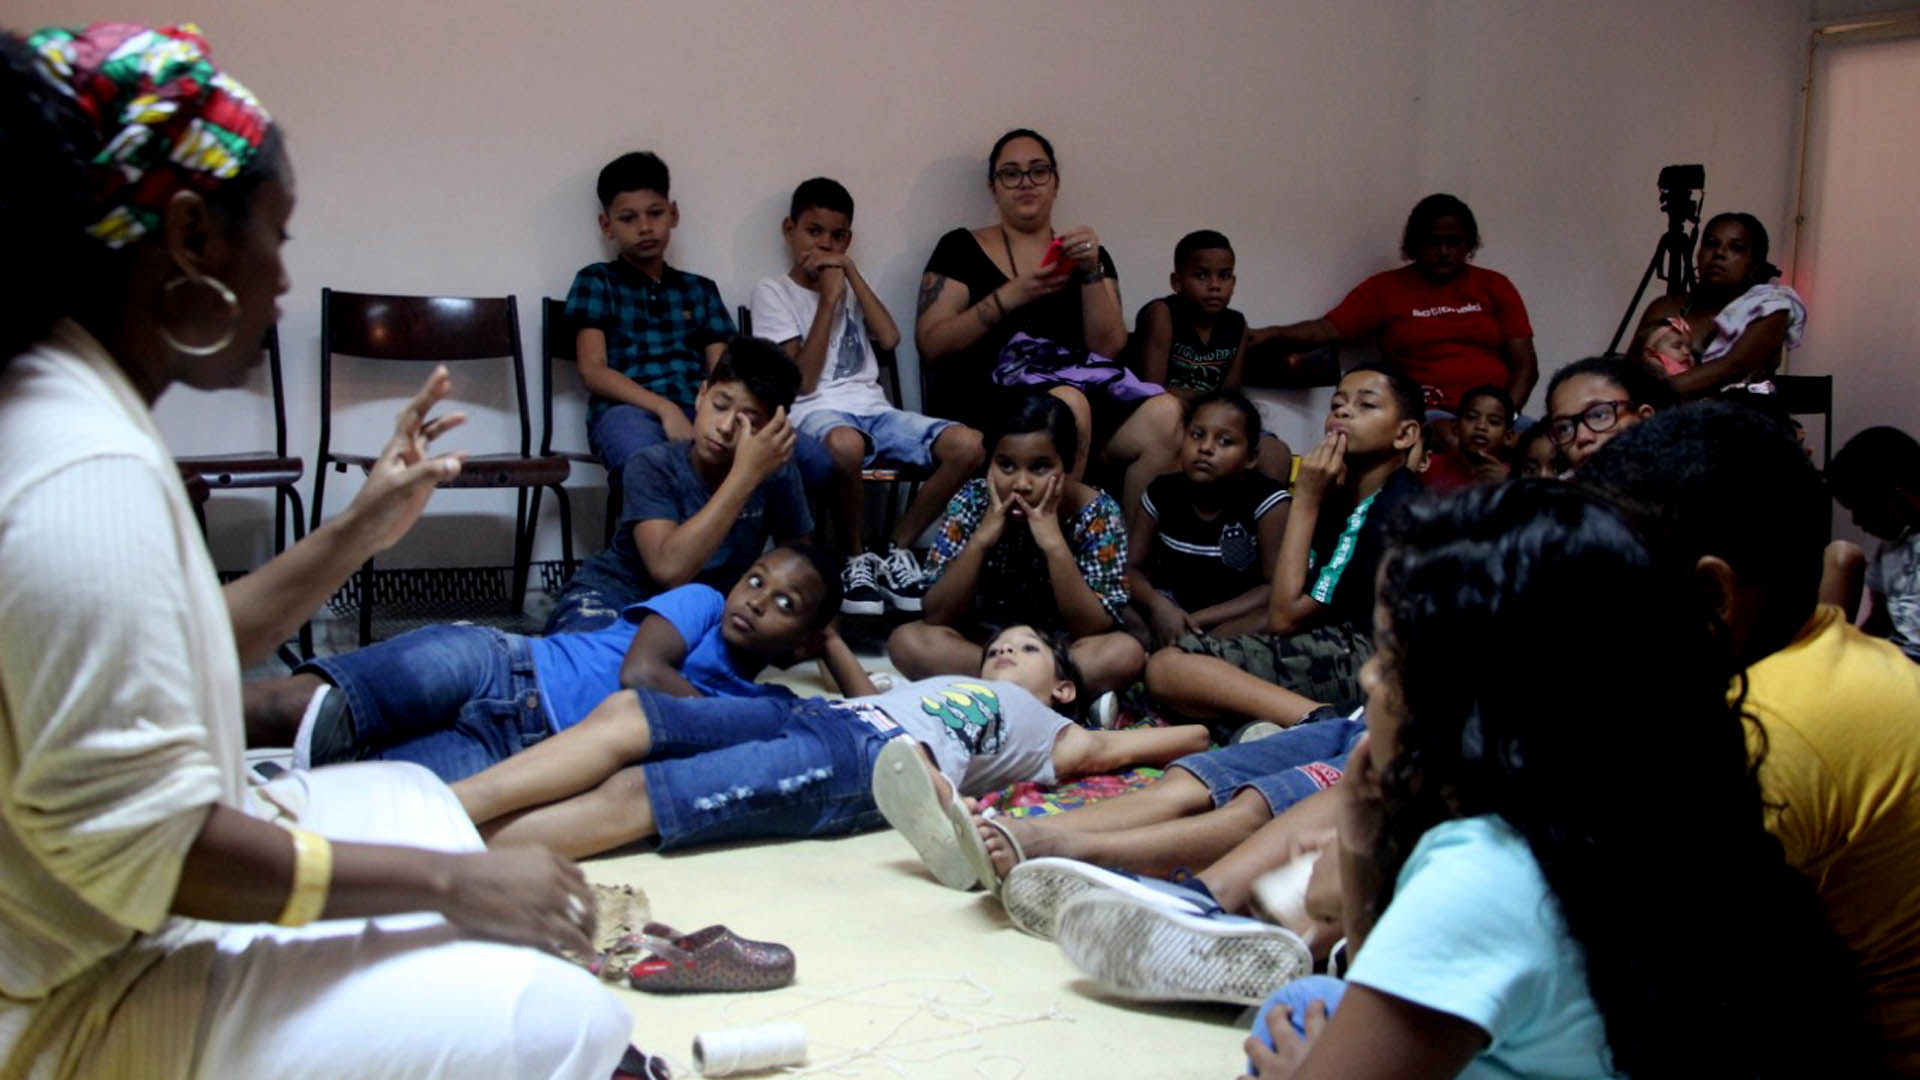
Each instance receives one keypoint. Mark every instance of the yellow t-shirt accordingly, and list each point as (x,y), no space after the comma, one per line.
(1841,711)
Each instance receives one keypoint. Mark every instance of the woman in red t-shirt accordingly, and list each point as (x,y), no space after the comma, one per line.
(1449,325)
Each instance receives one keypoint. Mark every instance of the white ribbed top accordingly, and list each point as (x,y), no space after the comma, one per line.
(120,698)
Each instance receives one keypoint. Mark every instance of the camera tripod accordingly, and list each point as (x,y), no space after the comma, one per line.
(1673,252)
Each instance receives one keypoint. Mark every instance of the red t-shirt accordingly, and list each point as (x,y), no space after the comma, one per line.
(1447,338)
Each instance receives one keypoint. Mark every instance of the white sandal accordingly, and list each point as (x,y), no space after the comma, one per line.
(904,790)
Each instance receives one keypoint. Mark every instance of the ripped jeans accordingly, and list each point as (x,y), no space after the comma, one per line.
(737,768)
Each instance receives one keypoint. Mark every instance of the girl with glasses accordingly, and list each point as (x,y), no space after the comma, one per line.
(1590,401)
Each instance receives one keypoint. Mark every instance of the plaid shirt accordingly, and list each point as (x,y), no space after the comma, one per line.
(657,331)
(1014,585)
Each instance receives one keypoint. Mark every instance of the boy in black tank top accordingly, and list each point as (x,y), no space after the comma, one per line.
(1190,342)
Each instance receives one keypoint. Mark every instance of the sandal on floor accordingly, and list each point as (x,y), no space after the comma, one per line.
(713,959)
(904,790)
(983,859)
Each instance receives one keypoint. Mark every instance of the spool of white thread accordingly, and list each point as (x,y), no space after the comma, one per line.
(746,1049)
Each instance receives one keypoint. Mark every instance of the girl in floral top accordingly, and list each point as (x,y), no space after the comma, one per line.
(1027,544)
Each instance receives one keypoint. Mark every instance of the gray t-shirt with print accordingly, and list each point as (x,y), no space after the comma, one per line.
(984,734)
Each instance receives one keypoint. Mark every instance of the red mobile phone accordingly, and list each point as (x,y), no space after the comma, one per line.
(1056,252)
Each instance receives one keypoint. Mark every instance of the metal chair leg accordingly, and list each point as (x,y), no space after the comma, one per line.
(522,555)
(567,561)
(366,603)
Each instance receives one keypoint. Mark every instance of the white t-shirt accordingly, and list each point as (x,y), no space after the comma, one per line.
(1895,574)
(849,382)
(984,734)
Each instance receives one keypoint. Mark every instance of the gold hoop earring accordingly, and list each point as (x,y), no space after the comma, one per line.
(226,296)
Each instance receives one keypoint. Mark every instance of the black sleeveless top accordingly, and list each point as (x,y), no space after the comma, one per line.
(960,387)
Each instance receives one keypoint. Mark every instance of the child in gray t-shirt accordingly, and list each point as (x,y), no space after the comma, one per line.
(699,770)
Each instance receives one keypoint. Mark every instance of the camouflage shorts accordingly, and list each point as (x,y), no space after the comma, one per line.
(1322,663)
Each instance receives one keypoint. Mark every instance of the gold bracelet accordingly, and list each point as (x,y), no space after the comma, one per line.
(312,876)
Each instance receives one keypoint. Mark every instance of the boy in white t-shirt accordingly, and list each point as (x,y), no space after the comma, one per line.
(829,320)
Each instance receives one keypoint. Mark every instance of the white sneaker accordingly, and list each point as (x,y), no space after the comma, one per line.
(1150,952)
(901,580)
(1104,713)
(859,586)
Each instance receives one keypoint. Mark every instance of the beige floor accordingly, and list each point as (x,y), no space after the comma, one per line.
(860,911)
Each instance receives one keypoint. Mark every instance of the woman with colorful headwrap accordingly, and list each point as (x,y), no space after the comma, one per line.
(145,198)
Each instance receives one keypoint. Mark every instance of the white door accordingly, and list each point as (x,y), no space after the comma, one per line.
(1859,262)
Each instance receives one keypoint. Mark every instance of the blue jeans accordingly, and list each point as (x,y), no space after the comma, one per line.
(1297,995)
(735,768)
(455,699)
(625,430)
(1283,768)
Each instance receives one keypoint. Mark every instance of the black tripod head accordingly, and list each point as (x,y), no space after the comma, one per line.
(1682,188)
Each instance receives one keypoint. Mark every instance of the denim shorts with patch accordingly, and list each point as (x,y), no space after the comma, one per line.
(1283,768)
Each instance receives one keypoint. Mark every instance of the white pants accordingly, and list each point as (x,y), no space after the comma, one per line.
(399,996)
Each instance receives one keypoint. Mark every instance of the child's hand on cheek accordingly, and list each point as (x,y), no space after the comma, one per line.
(1043,516)
(994,522)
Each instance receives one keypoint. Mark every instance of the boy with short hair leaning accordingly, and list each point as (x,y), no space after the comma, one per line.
(1729,491)
(1877,477)
(1320,614)
(459,698)
(826,316)
(701,510)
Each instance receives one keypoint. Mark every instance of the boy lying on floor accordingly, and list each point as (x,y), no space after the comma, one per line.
(457,699)
(699,770)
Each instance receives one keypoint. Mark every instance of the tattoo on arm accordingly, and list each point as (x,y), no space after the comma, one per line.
(930,286)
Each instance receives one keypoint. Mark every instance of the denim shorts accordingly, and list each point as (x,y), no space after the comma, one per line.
(455,699)
(1283,768)
(737,768)
(625,430)
(895,435)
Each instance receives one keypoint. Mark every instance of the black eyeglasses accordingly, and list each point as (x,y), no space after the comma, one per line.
(1011,175)
(1598,417)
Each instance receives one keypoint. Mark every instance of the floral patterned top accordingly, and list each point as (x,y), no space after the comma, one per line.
(1014,585)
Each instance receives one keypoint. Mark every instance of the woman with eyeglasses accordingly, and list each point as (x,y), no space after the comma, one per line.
(982,286)
(1730,331)
(1590,401)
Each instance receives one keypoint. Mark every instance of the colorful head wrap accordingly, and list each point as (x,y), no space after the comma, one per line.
(166,118)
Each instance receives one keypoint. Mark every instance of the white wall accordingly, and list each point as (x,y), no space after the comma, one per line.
(452,148)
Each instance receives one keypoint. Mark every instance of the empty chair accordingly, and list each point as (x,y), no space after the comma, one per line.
(437,329)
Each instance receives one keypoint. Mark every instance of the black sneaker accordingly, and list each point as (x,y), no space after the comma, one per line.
(902,580)
(861,593)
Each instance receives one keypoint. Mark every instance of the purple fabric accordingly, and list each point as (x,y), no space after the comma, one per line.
(1031,361)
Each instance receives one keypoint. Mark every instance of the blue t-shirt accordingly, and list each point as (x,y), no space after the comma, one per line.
(1474,932)
(695,611)
(659,483)
(578,671)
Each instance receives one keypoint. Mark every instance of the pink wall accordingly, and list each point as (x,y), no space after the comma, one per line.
(452,148)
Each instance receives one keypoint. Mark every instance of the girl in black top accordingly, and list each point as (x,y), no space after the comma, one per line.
(982,286)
